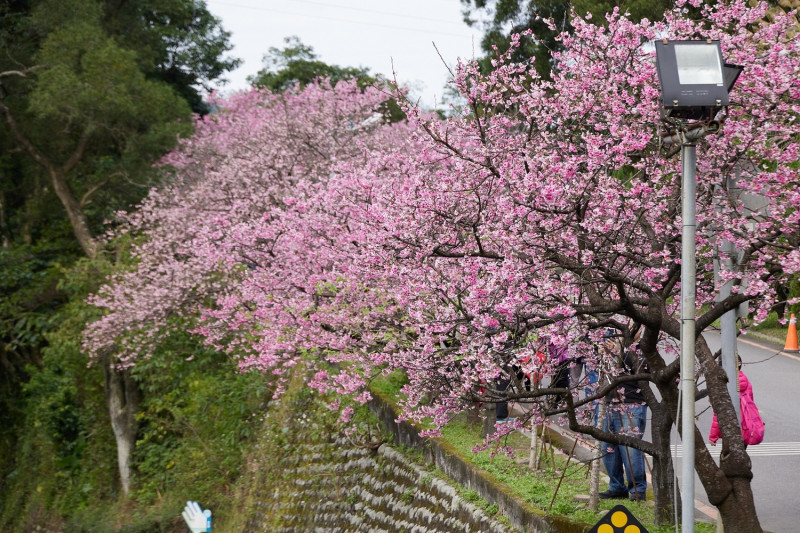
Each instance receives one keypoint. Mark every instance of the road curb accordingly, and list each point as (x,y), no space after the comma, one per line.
(564,440)
(765,341)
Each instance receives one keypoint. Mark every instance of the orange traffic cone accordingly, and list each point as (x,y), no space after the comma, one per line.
(791,336)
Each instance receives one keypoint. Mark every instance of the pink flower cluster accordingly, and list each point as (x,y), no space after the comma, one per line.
(296,229)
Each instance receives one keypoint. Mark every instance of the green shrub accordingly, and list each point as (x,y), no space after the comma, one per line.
(196,418)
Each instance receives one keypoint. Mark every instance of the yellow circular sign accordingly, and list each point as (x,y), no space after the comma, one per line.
(619,519)
(605,528)
(633,529)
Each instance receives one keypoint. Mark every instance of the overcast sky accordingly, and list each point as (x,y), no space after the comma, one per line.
(377,34)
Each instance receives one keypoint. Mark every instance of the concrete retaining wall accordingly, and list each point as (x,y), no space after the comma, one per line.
(339,487)
(519,513)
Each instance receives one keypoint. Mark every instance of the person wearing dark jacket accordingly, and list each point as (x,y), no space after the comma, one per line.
(626,412)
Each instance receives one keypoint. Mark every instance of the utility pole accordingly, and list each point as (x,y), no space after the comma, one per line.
(688,279)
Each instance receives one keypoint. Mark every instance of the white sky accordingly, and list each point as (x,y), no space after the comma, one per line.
(376,34)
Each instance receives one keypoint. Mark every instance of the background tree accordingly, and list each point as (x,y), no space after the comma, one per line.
(550,211)
(91,93)
(296,63)
(179,43)
(500,19)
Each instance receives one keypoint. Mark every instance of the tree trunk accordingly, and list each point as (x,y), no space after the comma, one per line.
(727,485)
(77,218)
(594,485)
(122,400)
(489,419)
(58,177)
(663,469)
(737,512)
(780,307)
(473,414)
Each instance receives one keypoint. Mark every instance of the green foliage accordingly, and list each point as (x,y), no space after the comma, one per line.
(91,82)
(389,386)
(770,329)
(91,86)
(117,75)
(31,285)
(178,42)
(99,90)
(29,281)
(408,495)
(502,18)
(65,450)
(470,495)
(196,418)
(297,63)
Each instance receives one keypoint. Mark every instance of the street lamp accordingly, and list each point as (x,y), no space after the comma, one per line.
(694,79)
(695,82)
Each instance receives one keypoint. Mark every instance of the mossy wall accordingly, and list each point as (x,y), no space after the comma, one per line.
(307,475)
(339,487)
(437,452)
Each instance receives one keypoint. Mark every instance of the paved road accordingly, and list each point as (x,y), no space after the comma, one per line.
(776,462)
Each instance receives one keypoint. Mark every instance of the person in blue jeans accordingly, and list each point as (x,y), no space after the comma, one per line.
(625,465)
(626,413)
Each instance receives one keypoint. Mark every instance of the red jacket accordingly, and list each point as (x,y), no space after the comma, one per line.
(745,389)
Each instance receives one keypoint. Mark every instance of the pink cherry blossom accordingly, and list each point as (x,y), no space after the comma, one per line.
(295,231)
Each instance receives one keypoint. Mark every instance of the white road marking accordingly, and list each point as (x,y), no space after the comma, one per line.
(765,449)
(756,344)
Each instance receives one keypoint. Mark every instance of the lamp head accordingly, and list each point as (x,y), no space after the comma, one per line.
(694,79)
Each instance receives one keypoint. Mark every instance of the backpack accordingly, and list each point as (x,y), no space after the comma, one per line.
(752,425)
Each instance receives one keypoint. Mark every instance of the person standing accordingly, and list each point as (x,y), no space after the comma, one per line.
(745,397)
(559,357)
(626,413)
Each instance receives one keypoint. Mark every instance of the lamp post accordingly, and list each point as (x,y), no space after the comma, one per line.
(694,91)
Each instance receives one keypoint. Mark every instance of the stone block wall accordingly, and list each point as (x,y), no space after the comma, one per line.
(341,487)
(520,514)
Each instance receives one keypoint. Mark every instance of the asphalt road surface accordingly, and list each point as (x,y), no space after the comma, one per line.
(776,461)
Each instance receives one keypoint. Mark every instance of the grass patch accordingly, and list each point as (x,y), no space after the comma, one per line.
(388,387)
(770,328)
(538,487)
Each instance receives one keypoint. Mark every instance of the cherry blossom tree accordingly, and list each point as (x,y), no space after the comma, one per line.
(193,239)
(561,206)
(552,209)
(456,251)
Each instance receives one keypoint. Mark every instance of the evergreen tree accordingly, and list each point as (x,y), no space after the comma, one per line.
(297,63)
(502,18)
(92,92)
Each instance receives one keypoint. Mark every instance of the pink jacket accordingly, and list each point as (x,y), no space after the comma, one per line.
(745,389)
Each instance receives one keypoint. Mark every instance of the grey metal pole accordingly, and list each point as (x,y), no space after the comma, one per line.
(728,335)
(728,331)
(730,349)
(688,279)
